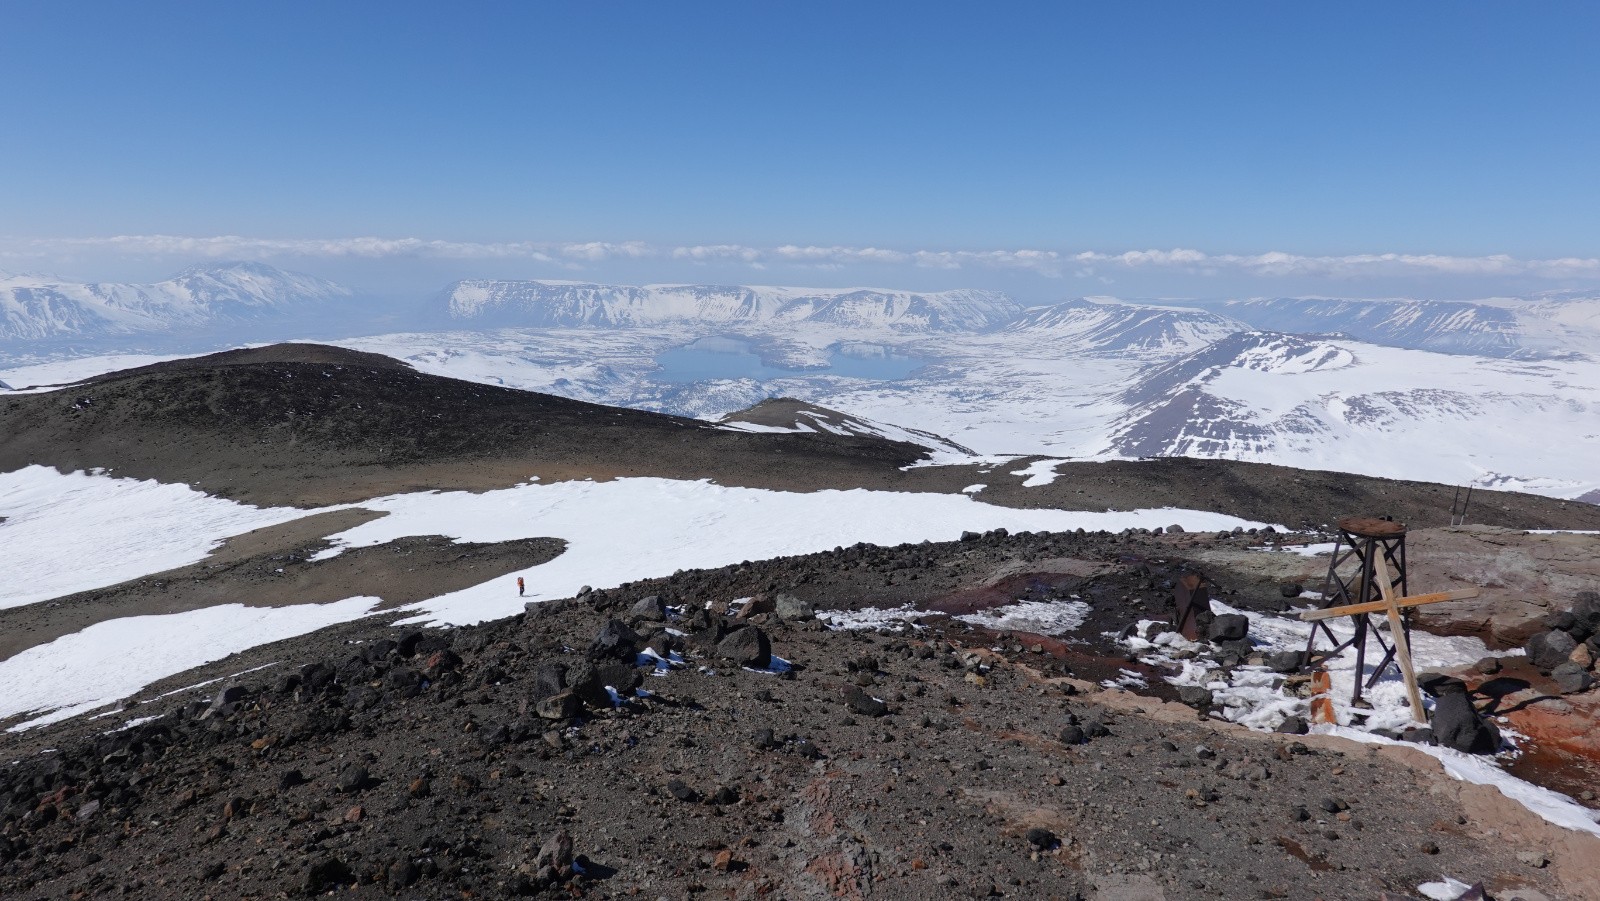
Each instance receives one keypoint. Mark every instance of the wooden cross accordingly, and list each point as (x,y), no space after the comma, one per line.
(1392,606)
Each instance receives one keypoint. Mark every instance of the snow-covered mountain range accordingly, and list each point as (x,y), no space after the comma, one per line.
(1497,392)
(1109,327)
(547,304)
(42,308)
(1549,325)
(1339,404)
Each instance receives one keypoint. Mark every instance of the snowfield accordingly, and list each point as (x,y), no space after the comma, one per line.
(69,533)
(62,534)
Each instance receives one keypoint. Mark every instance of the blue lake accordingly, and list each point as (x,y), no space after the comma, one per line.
(723,358)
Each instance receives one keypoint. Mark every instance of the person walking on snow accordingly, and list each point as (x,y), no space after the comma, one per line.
(519,586)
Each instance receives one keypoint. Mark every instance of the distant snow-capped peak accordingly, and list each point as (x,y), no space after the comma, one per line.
(40,307)
(548,304)
(1110,326)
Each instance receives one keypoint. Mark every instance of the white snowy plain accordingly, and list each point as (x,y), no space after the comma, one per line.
(78,531)
(62,533)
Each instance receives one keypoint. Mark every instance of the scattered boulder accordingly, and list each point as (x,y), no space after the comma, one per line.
(754,607)
(352,778)
(1285,661)
(747,646)
(652,607)
(615,640)
(549,679)
(1293,725)
(1571,679)
(1041,839)
(789,607)
(586,682)
(1548,650)
(1228,627)
(859,701)
(680,790)
(1586,611)
(557,851)
(1196,696)
(563,706)
(1291,589)
(1456,724)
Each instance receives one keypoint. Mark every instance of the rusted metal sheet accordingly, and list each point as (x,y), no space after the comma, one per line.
(1192,596)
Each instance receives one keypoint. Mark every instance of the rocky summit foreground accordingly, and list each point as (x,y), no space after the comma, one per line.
(661,740)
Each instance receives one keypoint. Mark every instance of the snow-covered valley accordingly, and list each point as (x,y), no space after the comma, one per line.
(1091,379)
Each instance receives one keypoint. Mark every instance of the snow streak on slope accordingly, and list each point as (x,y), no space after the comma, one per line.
(61,534)
(1104,326)
(788,415)
(111,660)
(543,304)
(33,308)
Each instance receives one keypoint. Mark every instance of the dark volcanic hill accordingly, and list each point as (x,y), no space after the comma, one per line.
(308,425)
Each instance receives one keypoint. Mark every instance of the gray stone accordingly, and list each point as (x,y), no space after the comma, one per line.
(1196,696)
(1229,627)
(1291,589)
(563,706)
(789,607)
(1293,725)
(1285,661)
(352,778)
(1547,650)
(1174,529)
(652,607)
(1570,678)
(747,646)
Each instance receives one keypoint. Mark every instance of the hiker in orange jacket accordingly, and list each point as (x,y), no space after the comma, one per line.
(519,586)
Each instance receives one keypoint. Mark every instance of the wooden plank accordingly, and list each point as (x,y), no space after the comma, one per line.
(1402,651)
(1417,600)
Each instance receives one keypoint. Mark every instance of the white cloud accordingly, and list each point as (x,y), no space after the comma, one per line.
(1049,263)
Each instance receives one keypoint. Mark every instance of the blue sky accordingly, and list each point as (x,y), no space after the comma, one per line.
(1423,150)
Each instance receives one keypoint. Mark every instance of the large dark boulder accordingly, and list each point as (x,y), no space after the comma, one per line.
(1586,612)
(747,646)
(549,679)
(585,680)
(615,641)
(1548,650)
(652,607)
(1228,627)
(1456,724)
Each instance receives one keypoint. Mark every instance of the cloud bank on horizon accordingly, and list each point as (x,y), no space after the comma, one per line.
(575,256)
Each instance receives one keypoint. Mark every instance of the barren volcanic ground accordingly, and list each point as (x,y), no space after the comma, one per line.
(937,762)
(658,739)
